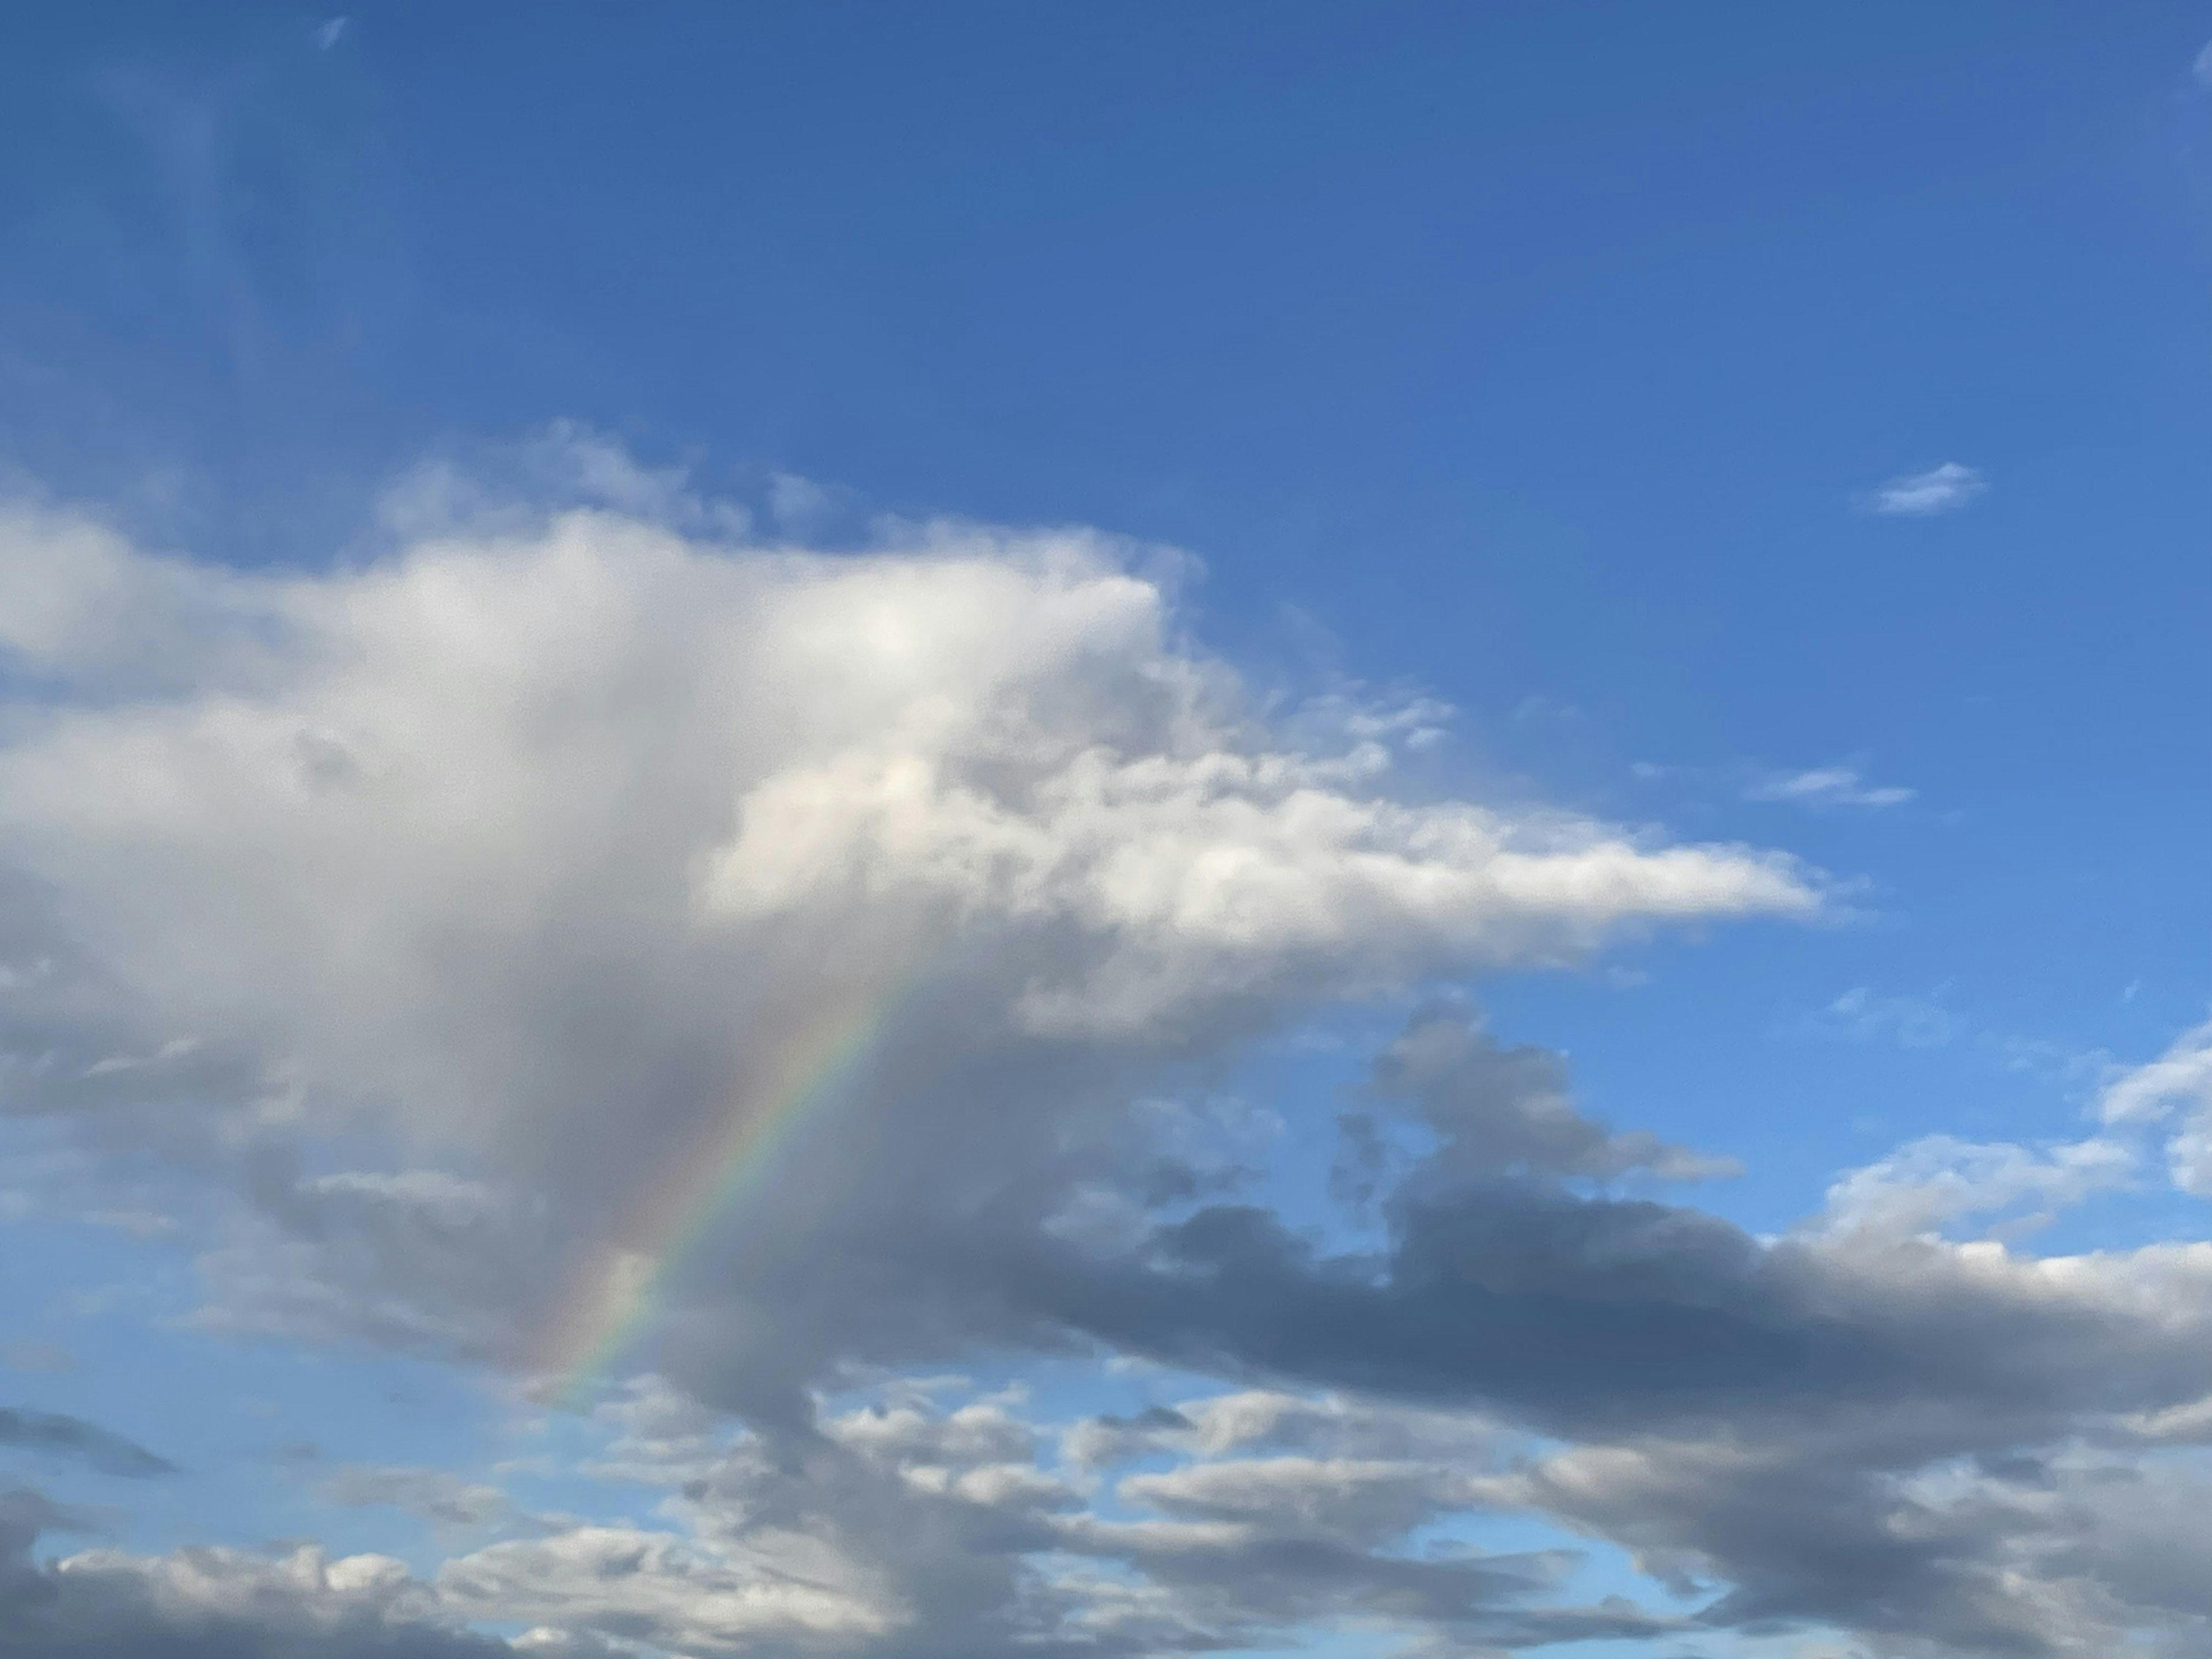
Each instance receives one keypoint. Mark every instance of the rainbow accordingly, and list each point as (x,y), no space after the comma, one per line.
(616,1289)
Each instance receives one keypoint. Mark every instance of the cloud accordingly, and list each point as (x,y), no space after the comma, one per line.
(32,1355)
(1497,1111)
(1826,786)
(1937,1180)
(58,1435)
(1910,1022)
(512,852)
(1942,489)
(916,1525)
(798,505)
(1860,1427)
(913,1523)
(2177,1083)
(452,904)
(435,1494)
(1861,1015)
(328,34)
(2201,66)
(1594,1315)
(104,1604)
(510,490)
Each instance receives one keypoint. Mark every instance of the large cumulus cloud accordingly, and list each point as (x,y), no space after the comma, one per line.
(520,852)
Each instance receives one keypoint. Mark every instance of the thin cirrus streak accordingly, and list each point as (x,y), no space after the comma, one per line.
(611,1298)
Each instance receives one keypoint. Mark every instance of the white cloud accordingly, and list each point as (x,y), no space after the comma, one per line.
(2181,1077)
(681,1596)
(2201,66)
(1923,1187)
(460,846)
(798,504)
(1826,786)
(2178,1082)
(228,1601)
(333,770)
(1910,1022)
(1941,489)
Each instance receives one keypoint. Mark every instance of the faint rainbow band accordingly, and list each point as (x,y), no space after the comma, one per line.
(615,1292)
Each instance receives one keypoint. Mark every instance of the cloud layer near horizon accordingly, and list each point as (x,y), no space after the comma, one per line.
(506,860)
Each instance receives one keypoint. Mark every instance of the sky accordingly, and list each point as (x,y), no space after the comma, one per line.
(1105,831)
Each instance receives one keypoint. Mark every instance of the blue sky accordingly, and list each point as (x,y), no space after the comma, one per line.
(1392,648)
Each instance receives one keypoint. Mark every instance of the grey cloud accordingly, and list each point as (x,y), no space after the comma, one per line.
(2066,1553)
(1589,1313)
(434,1494)
(1266,1420)
(1818,1375)
(1354,1498)
(1504,1285)
(55,1434)
(1503,1111)
(24,1515)
(1099,1442)
(30,1354)
(416,1259)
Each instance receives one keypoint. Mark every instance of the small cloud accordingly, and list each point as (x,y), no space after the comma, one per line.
(1859,1015)
(796,504)
(139,1223)
(1541,708)
(2201,66)
(2181,1077)
(1827,785)
(1931,1185)
(1942,489)
(327,35)
(58,1435)
(433,1494)
(567,465)
(30,1356)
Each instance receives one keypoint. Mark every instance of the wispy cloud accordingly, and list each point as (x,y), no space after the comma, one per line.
(1864,1016)
(1826,786)
(59,1435)
(1909,1022)
(327,36)
(1942,489)
(434,1494)
(797,504)
(2201,66)
(35,1356)
(2177,1085)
